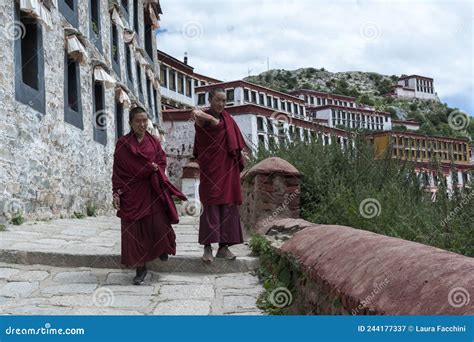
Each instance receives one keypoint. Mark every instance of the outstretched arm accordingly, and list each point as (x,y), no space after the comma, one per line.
(202,118)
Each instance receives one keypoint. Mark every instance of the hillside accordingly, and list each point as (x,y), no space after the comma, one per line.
(369,88)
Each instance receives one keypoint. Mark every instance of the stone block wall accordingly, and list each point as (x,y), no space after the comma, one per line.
(49,167)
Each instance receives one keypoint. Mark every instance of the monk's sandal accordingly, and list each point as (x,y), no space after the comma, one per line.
(225,253)
(140,277)
(207,256)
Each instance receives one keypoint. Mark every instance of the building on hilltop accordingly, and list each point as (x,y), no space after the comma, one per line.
(414,86)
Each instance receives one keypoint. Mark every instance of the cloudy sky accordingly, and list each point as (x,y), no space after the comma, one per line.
(228,39)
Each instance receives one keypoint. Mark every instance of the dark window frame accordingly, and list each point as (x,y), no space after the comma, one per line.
(128,66)
(138,70)
(114,41)
(99,107)
(148,93)
(119,131)
(125,9)
(96,38)
(24,93)
(71,14)
(71,116)
(136,21)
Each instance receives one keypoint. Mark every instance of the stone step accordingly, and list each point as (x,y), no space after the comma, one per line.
(95,242)
(188,264)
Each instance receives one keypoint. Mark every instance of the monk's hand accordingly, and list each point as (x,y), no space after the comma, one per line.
(245,155)
(116,202)
(201,118)
(155,166)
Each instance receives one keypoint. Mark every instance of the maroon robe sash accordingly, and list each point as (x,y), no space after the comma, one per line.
(140,187)
(218,152)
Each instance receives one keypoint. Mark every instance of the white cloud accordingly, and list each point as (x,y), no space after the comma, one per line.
(430,38)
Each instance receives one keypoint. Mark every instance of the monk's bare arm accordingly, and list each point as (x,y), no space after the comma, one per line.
(201,118)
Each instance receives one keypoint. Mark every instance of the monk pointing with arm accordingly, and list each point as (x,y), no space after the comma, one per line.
(218,148)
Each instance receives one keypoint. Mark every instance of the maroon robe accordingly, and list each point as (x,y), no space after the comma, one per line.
(218,152)
(146,206)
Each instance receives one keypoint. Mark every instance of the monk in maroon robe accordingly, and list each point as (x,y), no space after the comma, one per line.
(218,148)
(142,196)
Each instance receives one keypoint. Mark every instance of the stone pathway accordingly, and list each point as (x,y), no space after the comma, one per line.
(72,267)
(47,290)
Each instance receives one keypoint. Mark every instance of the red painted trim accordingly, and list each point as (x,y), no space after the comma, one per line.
(416,76)
(322,94)
(346,109)
(206,78)
(174,63)
(251,86)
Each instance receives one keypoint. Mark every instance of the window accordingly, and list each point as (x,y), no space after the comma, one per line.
(100,117)
(172,80)
(149,38)
(295,108)
(72,93)
(163,76)
(180,83)
(283,105)
(269,101)
(189,87)
(269,126)
(118,120)
(68,9)
(125,8)
(201,99)
(95,26)
(254,97)
(128,62)
(148,93)
(246,95)
(157,103)
(29,64)
(135,17)
(139,81)
(275,103)
(261,99)
(260,127)
(115,50)
(230,95)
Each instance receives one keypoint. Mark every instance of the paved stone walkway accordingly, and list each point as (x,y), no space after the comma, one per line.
(72,267)
(47,290)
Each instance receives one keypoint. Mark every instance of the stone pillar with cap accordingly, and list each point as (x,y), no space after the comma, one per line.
(190,180)
(270,190)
